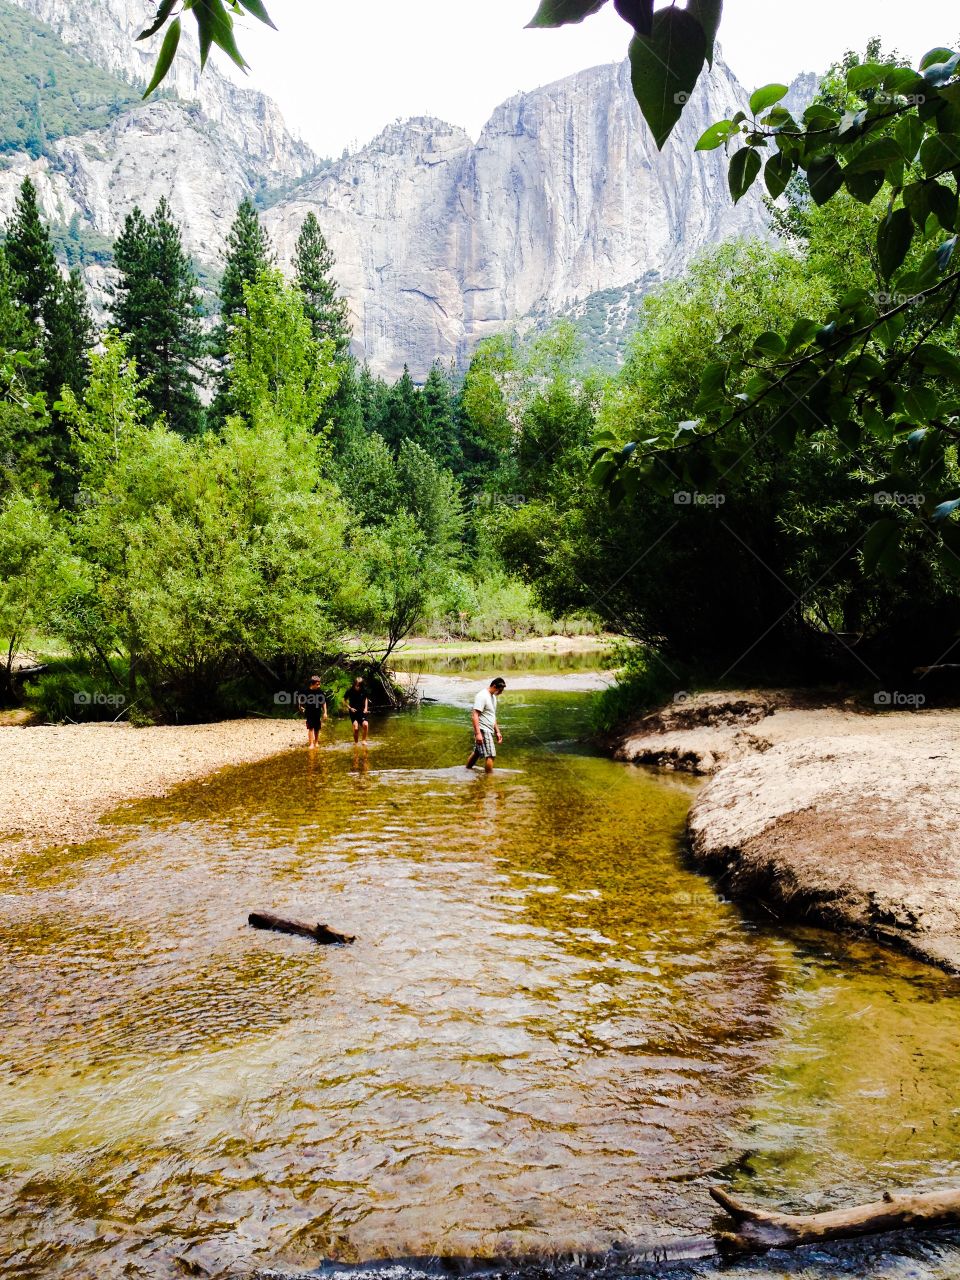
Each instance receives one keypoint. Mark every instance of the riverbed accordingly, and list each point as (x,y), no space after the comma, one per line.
(551,1034)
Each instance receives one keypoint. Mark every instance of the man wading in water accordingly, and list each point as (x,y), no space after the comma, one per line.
(485,727)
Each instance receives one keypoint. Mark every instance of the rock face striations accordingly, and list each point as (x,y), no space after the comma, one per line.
(439,240)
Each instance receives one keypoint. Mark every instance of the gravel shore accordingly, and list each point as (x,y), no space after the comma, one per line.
(829,814)
(57,781)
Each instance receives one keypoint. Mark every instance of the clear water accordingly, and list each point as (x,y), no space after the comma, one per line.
(550,1034)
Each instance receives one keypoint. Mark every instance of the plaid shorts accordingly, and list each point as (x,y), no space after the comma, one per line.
(489,749)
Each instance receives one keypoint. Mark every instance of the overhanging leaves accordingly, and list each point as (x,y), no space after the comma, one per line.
(665,67)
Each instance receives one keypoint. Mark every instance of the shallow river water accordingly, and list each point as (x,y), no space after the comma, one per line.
(550,1034)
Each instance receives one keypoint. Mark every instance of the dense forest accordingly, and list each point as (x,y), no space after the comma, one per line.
(193,515)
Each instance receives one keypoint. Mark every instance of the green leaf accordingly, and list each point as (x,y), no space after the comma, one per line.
(939,360)
(717,135)
(894,237)
(881,545)
(777,172)
(164,11)
(942,204)
(825,177)
(769,343)
(939,54)
(708,14)
(665,67)
(877,155)
(909,134)
(557,13)
(165,58)
(863,186)
(867,75)
(257,8)
(940,152)
(760,99)
(802,332)
(944,510)
(744,168)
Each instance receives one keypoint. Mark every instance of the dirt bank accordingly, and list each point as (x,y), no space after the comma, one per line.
(828,813)
(57,780)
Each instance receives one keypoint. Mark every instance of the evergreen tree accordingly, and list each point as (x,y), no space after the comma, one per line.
(439,420)
(30,252)
(157,309)
(404,417)
(24,438)
(67,339)
(373,397)
(249,254)
(326,309)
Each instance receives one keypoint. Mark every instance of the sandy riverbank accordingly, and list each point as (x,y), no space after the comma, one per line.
(56,781)
(827,813)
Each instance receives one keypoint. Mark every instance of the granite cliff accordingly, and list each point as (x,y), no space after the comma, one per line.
(440,239)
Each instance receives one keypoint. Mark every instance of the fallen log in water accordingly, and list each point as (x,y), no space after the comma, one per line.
(759,1230)
(316,932)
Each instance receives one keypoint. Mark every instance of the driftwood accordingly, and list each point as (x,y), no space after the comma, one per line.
(757,1230)
(316,932)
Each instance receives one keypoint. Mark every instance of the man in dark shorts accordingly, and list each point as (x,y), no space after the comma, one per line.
(312,705)
(485,725)
(358,705)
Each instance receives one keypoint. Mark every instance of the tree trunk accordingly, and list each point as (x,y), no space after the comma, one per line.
(758,1230)
(316,932)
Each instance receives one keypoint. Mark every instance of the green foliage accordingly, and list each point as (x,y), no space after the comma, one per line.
(47,91)
(279,375)
(875,372)
(30,252)
(202,558)
(157,310)
(325,308)
(248,255)
(31,550)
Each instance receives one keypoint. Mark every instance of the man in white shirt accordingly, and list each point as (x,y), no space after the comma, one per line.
(485,727)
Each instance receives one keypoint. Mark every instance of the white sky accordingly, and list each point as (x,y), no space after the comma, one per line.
(340,71)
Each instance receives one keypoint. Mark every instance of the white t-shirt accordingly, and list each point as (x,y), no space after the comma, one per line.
(486,704)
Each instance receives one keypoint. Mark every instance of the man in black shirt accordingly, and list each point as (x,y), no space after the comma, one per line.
(359,706)
(312,705)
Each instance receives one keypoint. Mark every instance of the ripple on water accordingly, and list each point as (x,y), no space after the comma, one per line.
(550,1033)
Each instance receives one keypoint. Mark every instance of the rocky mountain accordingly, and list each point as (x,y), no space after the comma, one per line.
(440,239)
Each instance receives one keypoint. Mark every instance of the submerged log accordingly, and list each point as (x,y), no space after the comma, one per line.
(759,1230)
(316,932)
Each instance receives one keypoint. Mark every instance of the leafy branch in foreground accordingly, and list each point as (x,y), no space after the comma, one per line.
(214,19)
(880,368)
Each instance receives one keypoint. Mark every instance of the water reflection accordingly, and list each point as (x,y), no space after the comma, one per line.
(549,1034)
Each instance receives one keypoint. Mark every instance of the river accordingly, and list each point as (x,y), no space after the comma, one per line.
(550,1034)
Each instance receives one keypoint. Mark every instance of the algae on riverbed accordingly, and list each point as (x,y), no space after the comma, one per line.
(551,1033)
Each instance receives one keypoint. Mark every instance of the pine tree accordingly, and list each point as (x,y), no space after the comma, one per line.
(326,310)
(67,339)
(404,417)
(439,420)
(249,253)
(157,309)
(30,252)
